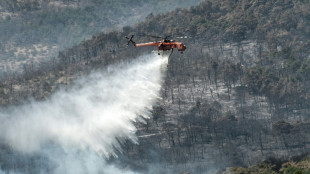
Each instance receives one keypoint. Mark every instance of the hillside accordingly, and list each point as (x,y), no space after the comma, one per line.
(238,95)
(32,31)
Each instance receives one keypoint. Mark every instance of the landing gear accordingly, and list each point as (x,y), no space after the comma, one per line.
(181,52)
(158,53)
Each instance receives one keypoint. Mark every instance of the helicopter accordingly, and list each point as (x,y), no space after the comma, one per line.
(164,45)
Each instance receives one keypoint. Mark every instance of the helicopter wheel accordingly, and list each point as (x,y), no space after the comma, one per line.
(158,53)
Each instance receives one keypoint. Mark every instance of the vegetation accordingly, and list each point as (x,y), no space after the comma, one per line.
(62,24)
(222,103)
(276,167)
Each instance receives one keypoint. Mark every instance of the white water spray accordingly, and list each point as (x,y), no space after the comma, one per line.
(88,121)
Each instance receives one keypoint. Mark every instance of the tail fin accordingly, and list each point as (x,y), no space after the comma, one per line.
(130,40)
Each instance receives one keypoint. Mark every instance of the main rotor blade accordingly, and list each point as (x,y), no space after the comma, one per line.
(148,35)
(183,37)
(155,36)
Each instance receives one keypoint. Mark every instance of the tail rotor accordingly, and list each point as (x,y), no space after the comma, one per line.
(130,39)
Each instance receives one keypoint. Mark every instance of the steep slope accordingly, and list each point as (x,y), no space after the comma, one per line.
(32,31)
(239,94)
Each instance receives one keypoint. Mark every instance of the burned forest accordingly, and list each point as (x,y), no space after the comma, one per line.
(236,101)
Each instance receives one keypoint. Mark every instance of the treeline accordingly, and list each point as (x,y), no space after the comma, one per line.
(62,24)
(70,19)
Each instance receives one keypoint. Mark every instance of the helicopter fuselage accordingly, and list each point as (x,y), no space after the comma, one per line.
(163,45)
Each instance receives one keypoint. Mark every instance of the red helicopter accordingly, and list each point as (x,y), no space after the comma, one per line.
(164,45)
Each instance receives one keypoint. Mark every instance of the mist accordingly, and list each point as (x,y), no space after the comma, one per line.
(76,130)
